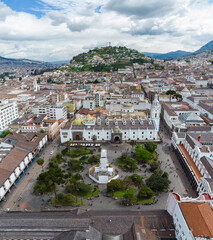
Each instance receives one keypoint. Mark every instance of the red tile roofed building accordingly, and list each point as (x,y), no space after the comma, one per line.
(192,217)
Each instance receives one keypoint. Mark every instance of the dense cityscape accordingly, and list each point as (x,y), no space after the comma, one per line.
(113,145)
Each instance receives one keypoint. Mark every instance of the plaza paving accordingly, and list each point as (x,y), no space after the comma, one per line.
(22,197)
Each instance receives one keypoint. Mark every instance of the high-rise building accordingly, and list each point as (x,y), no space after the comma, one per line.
(8,113)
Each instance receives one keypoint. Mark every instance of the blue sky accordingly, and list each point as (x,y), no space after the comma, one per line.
(28,6)
(59,29)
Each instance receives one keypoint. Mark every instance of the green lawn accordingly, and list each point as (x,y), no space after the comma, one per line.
(120,194)
(78,152)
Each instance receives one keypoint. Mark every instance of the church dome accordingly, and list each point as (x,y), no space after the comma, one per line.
(127,105)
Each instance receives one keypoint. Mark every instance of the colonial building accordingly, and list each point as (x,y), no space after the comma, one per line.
(192,217)
(195,153)
(114,130)
(17,152)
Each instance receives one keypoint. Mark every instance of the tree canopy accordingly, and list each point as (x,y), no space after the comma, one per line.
(150,146)
(157,182)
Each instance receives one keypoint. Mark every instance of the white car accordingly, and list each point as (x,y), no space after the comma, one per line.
(51,153)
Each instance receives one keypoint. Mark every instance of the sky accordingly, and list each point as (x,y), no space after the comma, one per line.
(53,30)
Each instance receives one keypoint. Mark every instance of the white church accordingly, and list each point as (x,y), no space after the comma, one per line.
(115,130)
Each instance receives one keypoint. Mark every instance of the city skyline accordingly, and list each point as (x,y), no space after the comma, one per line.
(50,31)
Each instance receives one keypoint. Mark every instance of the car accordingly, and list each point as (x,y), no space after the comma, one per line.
(51,153)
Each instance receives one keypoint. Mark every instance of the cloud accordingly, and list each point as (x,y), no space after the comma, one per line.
(66,28)
(142,9)
(4,11)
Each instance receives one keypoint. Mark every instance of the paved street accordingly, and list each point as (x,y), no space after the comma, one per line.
(22,197)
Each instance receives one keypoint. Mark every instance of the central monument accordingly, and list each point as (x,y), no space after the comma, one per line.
(103,172)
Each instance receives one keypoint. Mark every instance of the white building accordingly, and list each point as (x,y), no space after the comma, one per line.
(192,218)
(17,151)
(8,113)
(196,158)
(52,112)
(114,130)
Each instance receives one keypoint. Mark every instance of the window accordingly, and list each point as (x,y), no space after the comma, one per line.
(133,132)
(98,133)
(107,133)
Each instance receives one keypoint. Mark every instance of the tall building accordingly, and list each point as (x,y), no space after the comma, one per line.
(8,113)
(155,112)
(52,112)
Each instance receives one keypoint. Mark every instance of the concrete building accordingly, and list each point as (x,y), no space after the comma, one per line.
(195,153)
(52,112)
(8,113)
(17,152)
(192,218)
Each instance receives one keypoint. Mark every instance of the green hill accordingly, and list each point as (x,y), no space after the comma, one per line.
(106,59)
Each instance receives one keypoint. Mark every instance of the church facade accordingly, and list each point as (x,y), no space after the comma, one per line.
(115,130)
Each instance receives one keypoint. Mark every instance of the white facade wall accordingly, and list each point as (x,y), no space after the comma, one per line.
(12,178)
(182,231)
(54,113)
(89,104)
(8,113)
(2,192)
(17,172)
(106,134)
(168,119)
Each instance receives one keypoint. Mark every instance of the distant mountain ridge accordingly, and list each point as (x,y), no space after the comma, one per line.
(169,55)
(179,53)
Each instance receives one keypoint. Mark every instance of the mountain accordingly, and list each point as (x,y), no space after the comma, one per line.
(106,59)
(179,53)
(206,47)
(11,64)
(169,55)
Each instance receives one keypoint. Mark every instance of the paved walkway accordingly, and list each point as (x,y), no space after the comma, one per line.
(16,199)
(22,197)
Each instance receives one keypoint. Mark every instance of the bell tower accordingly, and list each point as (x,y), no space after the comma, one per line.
(155,112)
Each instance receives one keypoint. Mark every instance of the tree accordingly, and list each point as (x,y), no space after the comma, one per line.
(137,180)
(154,166)
(42,131)
(4,133)
(130,164)
(94,138)
(178,97)
(129,196)
(40,161)
(78,188)
(157,183)
(115,185)
(165,175)
(48,181)
(150,146)
(142,154)
(69,198)
(170,92)
(58,157)
(68,144)
(145,192)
